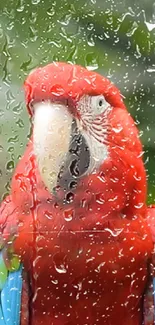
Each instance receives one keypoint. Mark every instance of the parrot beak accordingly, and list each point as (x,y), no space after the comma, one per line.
(61,151)
(52,133)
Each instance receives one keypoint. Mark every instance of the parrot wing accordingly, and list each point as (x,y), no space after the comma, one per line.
(12,276)
(149,303)
(10,294)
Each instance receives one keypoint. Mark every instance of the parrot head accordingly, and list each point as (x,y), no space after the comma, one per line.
(86,144)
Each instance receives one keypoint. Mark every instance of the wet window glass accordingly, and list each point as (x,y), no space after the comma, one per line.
(77,157)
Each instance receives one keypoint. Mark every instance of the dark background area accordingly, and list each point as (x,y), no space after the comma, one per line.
(115,38)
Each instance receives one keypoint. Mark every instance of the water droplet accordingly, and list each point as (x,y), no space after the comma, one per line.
(91,61)
(20,6)
(25,65)
(65,20)
(99,267)
(1,112)
(13,139)
(59,263)
(68,215)
(48,215)
(10,149)
(90,40)
(7,187)
(18,108)
(137,178)
(35,2)
(90,259)
(115,232)
(118,129)
(151,69)
(100,198)
(51,174)
(51,12)
(149,26)
(61,268)
(20,123)
(139,205)
(10,166)
(35,294)
(132,29)
(74,169)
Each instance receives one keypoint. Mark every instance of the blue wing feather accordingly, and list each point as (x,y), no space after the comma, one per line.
(149,303)
(10,298)
(2,322)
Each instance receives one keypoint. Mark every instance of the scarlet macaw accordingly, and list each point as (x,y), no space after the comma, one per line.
(76,234)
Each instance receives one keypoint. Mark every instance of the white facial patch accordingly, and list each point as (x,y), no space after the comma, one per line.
(94,127)
(98,151)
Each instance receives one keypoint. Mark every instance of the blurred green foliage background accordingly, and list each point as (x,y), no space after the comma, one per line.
(115,38)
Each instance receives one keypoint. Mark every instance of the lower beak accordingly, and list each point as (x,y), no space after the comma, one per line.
(51,136)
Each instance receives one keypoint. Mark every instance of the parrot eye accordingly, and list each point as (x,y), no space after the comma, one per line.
(99,104)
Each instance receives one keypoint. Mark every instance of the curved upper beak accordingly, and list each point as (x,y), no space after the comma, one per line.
(51,136)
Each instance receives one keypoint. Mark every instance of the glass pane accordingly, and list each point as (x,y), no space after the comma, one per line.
(73,202)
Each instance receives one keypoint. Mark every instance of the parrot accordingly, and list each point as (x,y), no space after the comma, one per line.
(76,235)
